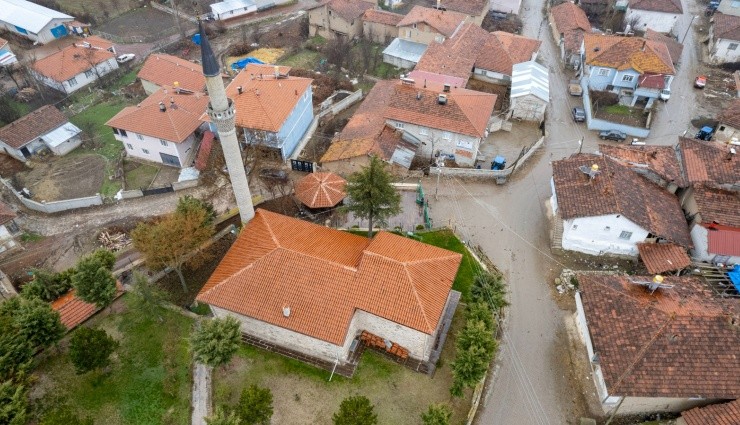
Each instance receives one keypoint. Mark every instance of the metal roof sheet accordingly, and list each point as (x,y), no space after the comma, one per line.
(229,5)
(404,49)
(61,135)
(530,78)
(27,15)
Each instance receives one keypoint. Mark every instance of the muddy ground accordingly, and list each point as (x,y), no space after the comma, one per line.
(147,23)
(56,178)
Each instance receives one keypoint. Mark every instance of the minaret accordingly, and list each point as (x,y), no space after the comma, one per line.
(221,111)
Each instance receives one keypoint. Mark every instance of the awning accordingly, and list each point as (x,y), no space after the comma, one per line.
(60,135)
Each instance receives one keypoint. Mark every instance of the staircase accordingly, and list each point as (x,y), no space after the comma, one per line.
(556,233)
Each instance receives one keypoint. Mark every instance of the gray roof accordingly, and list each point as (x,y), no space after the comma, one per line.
(27,15)
(530,78)
(404,49)
(229,5)
(210,65)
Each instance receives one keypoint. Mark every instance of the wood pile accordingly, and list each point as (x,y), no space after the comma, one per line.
(114,241)
(375,341)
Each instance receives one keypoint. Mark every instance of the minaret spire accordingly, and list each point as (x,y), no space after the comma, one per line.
(221,111)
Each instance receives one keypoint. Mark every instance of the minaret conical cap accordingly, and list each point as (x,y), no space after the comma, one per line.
(208,59)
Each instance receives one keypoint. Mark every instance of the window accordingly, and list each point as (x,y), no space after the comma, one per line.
(732,46)
(72,82)
(399,124)
(423,131)
(735,3)
(602,72)
(122,132)
(115,130)
(140,137)
(607,228)
(625,235)
(446,135)
(88,74)
(628,78)
(146,151)
(575,227)
(163,142)
(722,128)
(414,26)
(464,144)
(130,146)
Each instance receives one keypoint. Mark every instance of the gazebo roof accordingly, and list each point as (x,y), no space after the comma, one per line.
(320,190)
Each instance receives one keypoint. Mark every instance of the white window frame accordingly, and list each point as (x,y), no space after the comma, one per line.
(732,46)
(446,135)
(602,72)
(628,78)
(89,73)
(72,81)
(130,146)
(399,125)
(423,131)
(163,142)
(625,235)
(146,151)
(139,136)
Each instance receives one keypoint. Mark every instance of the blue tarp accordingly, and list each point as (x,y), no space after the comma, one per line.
(196,38)
(244,62)
(734,276)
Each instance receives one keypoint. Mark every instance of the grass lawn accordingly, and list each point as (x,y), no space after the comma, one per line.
(446,239)
(618,110)
(94,119)
(303,394)
(149,379)
(21,108)
(138,175)
(305,59)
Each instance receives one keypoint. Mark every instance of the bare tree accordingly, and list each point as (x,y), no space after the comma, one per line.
(337,51)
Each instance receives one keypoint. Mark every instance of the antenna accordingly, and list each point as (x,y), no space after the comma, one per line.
(591,172)
(652,285)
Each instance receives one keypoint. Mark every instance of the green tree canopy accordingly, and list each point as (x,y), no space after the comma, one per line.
(355,410)
(372,196)
(38,323)
(188,204)
(93,279)
(255,406)
(489,288)
(46,285)
(437,414)
(13,403)
(90,349)
(216,341)
(16,351)
(220,417)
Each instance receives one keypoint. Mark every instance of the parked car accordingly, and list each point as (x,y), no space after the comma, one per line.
(574,88)
(665,94)
(126,57)
(705,133)
(579,115)
(273,174)
(700,82)
(615,135)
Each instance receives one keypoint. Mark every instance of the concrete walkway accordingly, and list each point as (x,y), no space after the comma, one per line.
(201,400)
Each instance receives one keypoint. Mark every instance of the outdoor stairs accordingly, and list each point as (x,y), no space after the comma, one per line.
(556,233)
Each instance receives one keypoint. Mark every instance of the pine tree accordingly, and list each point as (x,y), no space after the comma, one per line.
(372,196)
(93,279)
(356,410)
(437,414)
(216,341)
(90,349)
(255,406)
(38,323)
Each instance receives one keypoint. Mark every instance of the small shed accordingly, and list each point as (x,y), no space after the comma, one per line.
(232,8)
(530,91)
(403,53)
(320,190)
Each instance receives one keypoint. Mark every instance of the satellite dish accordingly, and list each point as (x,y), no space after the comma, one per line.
(652,285)
(591,172)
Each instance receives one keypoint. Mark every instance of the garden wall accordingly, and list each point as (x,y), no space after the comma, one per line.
(599,124)
(55,206)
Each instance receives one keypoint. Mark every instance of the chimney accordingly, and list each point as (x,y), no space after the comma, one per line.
(442,99)
(446,88)
(439,4)
(425,83)
(277,71)
(162,107)
(257,92)
(418,95)
(286,311)
(172,102)
(296,92)
(239,89)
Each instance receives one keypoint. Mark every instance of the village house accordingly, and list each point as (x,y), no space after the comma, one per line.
(729,8)
(724,38)
(380,26)
(331,18)
(273,109)
(473,52)
(162,128)
(606,208)
(658,15)
(166,70)
(476,10)
(530,91)
(674,47)
(659,164)
(662,350)
(637,69)
(32,21)
(76,66)
(310,291)
(6,55)
(433,120)
(715,414)
(728,128)
(420,27)
(229,9)
(43,129)
(569,23)
(8,228)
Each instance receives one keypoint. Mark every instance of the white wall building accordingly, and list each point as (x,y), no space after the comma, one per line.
(33,21)
(44,128)
(76,66)
(724,38)
(232,8)
(530,91)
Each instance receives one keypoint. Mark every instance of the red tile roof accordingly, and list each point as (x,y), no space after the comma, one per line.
(717,205)
(324,275)
(716,414)
(617,190)
(662,160)
(723,240)
(445,22)
(468,7)
(73,311)
(663,257)
(708,162)
(382,145)
(726,26)
(180,118)
(74,59)
(3,42)
(665,6)
(320,190)
(677,342)
(651,81)
(204,150)
(621,53)
(31,126)
(348,9)
(570,21)
(730,114)
(6,214)
(381,17)
(674,47)
(165,70)
(265,102)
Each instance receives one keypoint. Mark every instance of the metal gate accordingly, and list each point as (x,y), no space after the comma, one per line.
(298,165)
(158,190)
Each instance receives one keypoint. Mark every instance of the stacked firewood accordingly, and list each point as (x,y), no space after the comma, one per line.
(114,241)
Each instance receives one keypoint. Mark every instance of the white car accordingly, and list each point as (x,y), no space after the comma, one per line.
(127,57)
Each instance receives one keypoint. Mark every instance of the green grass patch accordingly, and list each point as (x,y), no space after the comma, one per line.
(138,175)
(446,239)
(30,237)
(305,59)
(126,79)
(149,377)
(201,309)
(20,108)
(618,110)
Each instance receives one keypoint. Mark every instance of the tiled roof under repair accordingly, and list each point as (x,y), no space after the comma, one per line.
(73,311)
(75,59)
(730,114)
(349,9)
(661,160)
(616,189)
(382,17)
(665,6)
(444,22)
(323,275)
(166,114)
(266,101)
(717,205)
(468,7)
(320,190)
(388,145)
(663,257)
(6,214)
(570,21)
(674,47)
(31,126)
(164,70)
(709,162)
(715,414)
(726,26)
(679,342)
(621,53)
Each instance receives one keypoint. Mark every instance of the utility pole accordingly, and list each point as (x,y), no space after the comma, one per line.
(580,145)
(687,29)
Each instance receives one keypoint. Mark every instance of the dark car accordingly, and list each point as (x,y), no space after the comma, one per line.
(273,174)
(615,135)
(579,115)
